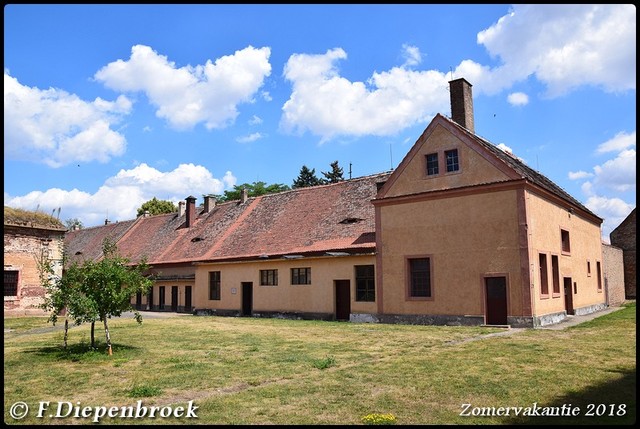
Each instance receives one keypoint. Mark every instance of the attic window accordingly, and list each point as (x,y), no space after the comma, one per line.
(350,220)
(196,239)
(78,253)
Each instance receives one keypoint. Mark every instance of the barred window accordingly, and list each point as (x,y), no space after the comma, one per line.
(420,277)
(365,283)
(300,276)
(268,277)
(214,285)
(11,283)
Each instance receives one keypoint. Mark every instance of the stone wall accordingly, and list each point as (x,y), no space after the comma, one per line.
(614,277)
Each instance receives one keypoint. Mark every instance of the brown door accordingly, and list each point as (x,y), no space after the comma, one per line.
(174,298)
(247,298)
(150,299)
(161,298)
(187,299)
(139,301)
(496,296)
(343,299)
(568,295)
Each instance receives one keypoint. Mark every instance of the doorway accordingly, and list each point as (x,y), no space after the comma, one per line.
(174,298)
(496,300)
(568,295)
(187,299)
(343,299)
(247,299)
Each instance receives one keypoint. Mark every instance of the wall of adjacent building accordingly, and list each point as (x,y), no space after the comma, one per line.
(613,274)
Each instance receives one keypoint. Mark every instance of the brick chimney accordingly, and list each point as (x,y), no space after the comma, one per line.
(461,103)
(209,203)
(181,209)
(244,195)
(191,210)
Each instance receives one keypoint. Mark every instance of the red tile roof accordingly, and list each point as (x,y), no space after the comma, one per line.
(337,217)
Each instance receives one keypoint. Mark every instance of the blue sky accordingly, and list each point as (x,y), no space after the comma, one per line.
(108,106)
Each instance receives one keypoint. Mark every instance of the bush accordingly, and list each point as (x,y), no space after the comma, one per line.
(379,419)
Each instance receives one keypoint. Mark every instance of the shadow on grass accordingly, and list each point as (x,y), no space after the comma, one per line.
(603,402)
(79,352)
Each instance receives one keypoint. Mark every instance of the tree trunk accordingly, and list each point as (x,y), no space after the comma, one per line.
(93,336)
(106,332)
(66,332)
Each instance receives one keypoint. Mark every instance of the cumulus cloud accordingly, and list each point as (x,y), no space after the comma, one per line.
(612,210)
(564,46)
(249,138)
(518,99)
(121,195)
(57,128)
(189,95)
(620,142)
(329,105)
(255,120)
(412,55)
(577,175)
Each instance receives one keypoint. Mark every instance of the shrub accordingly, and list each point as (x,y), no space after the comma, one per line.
(379,419)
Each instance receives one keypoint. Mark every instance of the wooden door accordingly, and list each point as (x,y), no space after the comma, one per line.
(496,300)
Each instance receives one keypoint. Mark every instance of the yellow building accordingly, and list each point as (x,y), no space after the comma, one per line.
(460,233)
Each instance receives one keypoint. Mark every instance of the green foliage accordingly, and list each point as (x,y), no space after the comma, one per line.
(254,189)
(379,419)
(335,175)
(307,178)
(324,363)
(73,222)
(156,207)
(144,391)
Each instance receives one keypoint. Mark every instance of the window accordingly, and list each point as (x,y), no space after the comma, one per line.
(161,303)
(268,277)
(365,283)
(451,159)
(420,277)
(544,279)
(599,274)
(10,283)
(588,268)
(566,245)
(300,276)
(555,272)
(214,285)
(432,164)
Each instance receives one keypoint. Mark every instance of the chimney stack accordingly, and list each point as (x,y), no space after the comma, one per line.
(106,222)
(245,195)
(146,213)
(181,208)
(191,210)
(209,203)
(461,103)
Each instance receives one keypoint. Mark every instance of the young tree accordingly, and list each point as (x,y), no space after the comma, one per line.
(156,207)
(307,178)
(335,175)
(96,291)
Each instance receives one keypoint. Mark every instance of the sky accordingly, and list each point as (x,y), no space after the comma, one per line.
(107,106)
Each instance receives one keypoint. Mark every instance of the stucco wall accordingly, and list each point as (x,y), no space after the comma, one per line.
(613,274)
(545,221)
(317,297)
(21,248)
(466,237)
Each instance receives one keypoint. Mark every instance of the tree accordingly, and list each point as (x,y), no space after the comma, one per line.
(307,178)
(156,207)
(74,222)
(253,190)
(335,175)
(97,290)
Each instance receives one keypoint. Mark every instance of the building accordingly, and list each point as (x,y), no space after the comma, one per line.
(613,263)
(460,233)
(30,238)
(624,237)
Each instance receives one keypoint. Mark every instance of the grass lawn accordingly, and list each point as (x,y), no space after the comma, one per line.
(274,371)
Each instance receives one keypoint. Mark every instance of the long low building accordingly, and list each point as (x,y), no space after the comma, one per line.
(461,232)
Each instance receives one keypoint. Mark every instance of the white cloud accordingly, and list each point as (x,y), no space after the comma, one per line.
(618,173)
(121,195)
(620,142)
(266,96)
(518,99)
(189,95)
(249,138)
(329,105)
(412,55)
(57,128)
(612,210)
(565,46)
(577,175)
(255,120)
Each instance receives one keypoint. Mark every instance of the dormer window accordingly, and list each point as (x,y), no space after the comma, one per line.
(350,220)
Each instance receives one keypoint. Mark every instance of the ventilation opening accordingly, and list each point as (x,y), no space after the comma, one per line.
(350,220)
(196,239)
